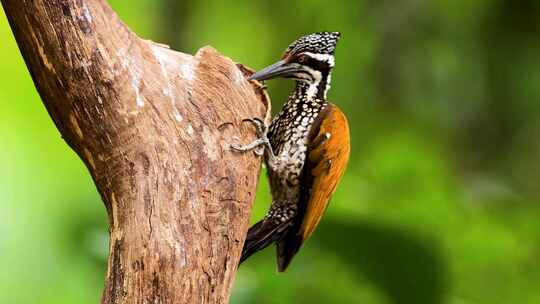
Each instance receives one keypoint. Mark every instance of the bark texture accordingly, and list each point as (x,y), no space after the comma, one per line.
(153,127)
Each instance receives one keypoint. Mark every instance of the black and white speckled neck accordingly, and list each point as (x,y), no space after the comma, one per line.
(296,116)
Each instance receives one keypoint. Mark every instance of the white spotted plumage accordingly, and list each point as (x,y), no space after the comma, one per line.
(288,135)
(309,60)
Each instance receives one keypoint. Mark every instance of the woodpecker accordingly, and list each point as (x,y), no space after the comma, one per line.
(306,148)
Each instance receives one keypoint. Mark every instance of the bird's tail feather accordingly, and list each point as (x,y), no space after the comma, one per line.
(287,247)
(260,235)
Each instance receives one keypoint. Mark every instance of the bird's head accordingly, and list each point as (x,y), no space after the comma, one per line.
(309,60)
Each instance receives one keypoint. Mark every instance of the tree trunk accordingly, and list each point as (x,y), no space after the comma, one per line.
(153,126)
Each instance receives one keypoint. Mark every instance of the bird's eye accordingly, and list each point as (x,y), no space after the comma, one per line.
(301,58)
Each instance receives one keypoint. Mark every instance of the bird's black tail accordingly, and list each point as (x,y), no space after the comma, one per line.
(262,234)
(287,248)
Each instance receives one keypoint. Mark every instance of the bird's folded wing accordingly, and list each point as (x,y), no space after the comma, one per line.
(328,154)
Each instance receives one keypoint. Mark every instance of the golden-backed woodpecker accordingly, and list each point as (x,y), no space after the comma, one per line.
(306,148)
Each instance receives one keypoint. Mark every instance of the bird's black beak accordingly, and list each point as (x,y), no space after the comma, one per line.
(278,69)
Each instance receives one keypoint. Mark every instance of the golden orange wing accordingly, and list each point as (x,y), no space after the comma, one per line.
(328,154)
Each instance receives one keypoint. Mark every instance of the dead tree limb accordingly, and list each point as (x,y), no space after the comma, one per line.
(153,126)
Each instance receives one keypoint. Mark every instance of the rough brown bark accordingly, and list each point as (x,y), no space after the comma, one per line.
(153,126)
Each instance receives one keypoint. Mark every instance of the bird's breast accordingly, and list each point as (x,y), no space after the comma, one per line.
(288,135)
(286,171)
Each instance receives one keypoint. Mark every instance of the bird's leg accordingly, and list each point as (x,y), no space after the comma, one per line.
(254,145)
(261,144)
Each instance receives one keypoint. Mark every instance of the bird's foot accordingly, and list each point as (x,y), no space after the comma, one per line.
(260,143)
(260,126)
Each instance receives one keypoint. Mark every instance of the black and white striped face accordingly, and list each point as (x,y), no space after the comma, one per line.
(309,59)
(310,67)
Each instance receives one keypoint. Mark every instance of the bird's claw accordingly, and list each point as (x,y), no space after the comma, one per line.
(236,147)
(260,143)
(259,151)
(259,124)
(257,146)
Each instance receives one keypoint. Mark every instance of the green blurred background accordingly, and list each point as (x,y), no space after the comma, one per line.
(440,201)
